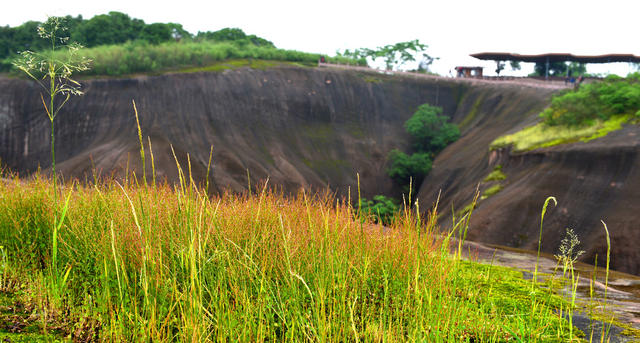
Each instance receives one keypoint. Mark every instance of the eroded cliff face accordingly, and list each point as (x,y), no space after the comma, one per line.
(318,128)
(301,127)
(593,181)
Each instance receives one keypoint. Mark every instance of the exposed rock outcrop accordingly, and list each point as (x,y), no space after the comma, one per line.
(301,127)
(306,127)
(593,181)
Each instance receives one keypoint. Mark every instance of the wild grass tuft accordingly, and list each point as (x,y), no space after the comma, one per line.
(495,175)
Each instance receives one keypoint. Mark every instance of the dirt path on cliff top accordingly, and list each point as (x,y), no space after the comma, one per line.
(623,291)
(509,81)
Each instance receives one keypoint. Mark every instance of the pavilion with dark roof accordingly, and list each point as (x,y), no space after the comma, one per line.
(557,57)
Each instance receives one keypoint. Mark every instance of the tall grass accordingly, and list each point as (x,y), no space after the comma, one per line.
(169,263)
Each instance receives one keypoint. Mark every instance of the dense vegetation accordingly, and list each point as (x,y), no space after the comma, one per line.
(584,114)
(430,132)
(130,260)
(142,57)
(380,209)
(161,263)
(595,101)
(119,45)
(404,168)
(113,28)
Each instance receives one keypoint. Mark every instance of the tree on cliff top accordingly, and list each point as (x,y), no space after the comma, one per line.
(394,55)
(236,36)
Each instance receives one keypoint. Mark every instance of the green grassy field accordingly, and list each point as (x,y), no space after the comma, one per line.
(189,56)
(163,263)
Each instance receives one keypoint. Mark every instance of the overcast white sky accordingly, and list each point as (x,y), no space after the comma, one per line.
(452,29)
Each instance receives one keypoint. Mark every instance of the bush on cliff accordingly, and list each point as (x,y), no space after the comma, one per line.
(429,130)
(430,133)
(588,113)
(595,101)
(406,167)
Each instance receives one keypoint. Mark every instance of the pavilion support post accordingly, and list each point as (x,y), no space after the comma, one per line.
(546,69)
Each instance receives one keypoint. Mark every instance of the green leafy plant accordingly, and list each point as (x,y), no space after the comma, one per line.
(429,130)
(404,167)
(394,55)
(430,133)
(595,101)
(381,209)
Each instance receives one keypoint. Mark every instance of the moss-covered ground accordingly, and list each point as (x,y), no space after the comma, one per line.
(542,135)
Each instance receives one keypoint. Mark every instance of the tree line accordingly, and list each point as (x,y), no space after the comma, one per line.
(110,29)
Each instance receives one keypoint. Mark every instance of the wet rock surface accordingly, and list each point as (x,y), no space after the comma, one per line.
(622,292)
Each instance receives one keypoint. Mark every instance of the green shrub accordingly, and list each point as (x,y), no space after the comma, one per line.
(381,209)
(430,130)
(404,167)
(595,101)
